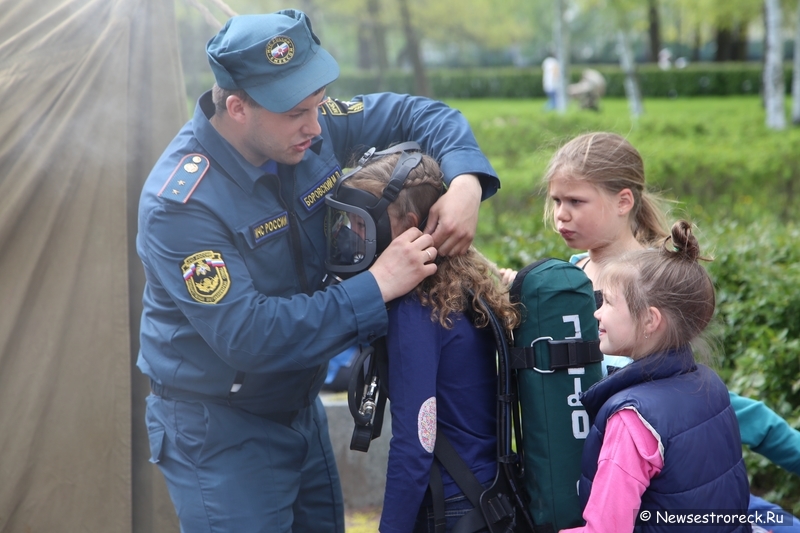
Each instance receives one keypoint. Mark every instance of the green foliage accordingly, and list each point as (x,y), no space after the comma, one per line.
(728,174)
(757,273)
(701,79)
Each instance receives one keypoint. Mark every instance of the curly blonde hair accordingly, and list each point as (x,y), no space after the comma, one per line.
(446,292)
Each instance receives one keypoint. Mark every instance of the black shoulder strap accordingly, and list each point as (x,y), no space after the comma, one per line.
(448,457)
(457,468)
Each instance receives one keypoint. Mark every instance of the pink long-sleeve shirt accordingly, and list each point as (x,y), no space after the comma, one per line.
(630,457)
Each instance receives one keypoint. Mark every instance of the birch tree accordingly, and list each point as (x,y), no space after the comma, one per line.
(796,70)
(561,38)
(774,88)
(626,61)
(624,12)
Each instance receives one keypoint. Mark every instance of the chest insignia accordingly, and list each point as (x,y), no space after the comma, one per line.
(270,227)
(185,178)
(206,277)
(311,199)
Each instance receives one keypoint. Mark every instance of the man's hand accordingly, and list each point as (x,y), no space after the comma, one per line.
(407,260)
(453,219)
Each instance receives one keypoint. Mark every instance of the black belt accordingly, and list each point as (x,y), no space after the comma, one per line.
(280,417)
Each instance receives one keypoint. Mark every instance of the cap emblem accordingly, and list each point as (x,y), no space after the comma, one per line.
(280,50)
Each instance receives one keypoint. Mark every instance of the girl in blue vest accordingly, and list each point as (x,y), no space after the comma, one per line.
(664,438)
(442,373)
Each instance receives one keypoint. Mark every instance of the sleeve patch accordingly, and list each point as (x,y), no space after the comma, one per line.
(426,424)
(185,178)
(338,108)
(206,277)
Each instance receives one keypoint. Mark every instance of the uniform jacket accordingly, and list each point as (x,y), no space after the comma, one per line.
(234,254)
(688,409)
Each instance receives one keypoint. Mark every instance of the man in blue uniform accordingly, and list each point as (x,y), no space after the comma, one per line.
(238,326)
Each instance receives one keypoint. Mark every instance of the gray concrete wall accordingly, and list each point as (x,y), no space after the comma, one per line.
(363,474)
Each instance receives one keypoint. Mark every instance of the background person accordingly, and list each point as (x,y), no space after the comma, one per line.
(441,364)
(237,327)
(551,80)
(589,90)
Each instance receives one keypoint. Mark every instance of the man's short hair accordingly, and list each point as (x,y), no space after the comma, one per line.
(220,98)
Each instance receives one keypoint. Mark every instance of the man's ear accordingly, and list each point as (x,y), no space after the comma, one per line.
(236,107)
(624,201)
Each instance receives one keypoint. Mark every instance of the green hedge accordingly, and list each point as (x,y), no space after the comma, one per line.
(701,79)
(757,272)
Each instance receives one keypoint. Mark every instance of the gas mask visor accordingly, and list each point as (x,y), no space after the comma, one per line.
(351,234)
(357,224)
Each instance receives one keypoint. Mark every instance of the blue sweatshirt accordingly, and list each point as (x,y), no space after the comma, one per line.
(449,374)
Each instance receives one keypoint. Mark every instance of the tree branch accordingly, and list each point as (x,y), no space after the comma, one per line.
(210,19)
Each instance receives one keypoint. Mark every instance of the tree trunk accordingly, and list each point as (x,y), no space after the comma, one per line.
(796,71)
(365,49)
(380,53)
(723,39)
(739,45)
(421,87)
(631,85)
(561,38)
(654,30)
(774,88)
(697,43)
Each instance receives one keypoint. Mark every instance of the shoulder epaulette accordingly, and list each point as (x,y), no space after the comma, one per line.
(334,107)
(185,178)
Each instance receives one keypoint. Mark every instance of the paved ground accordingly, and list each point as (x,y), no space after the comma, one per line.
(365,521)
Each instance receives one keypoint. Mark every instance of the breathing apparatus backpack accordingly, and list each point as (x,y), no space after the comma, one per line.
(556,356)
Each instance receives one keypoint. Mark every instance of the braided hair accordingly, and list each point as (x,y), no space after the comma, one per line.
(445,291)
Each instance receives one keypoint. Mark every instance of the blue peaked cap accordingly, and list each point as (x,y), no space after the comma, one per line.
(275,58)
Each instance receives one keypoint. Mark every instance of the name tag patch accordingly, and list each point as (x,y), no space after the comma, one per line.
(311,198)
(206,277)
(270,227)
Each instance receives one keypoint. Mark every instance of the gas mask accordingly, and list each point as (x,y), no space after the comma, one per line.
(357,224)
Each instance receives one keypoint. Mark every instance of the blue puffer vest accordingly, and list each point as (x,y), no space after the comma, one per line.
(688,407)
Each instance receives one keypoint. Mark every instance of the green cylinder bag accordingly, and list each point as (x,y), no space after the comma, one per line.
(556,355)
